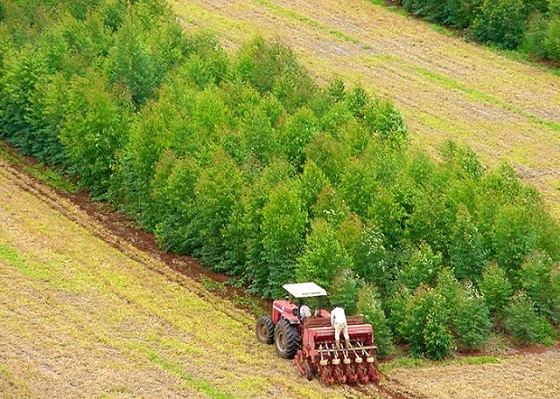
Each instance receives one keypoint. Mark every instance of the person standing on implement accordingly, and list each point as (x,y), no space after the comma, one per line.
(338,321)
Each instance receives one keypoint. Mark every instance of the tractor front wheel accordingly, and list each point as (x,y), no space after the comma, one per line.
(265,330)
(287,339)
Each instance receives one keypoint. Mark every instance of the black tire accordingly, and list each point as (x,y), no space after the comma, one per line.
(265,330)
(287,339)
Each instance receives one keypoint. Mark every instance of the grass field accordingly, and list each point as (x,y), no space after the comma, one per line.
(446,88)
(86,314)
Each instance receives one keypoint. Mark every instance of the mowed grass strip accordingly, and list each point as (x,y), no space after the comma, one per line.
(520,377)
(82,318)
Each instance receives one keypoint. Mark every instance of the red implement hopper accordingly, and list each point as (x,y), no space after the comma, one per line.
(319,355)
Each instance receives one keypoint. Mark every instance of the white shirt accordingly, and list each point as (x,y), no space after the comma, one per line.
(338,316)
(304,311)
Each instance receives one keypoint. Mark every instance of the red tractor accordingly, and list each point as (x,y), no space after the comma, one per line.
(310,341)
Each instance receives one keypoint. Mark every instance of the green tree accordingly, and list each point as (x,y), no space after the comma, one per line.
(366,247)
(496,289)
(323,256)
(358,186)
(94,131)
(131,64)
(426,324)
(301,126)
(370,305)
(537,281)
(552,39)
(249,219)
(344,289)
(419,265)
(501,23)
(513,238)
(328,154)
(472,323)
(330,207)
(313,182)
(525,324)
(22,72)
(283,228)
(466,248)
(217,192)
(172,196)
(46,117)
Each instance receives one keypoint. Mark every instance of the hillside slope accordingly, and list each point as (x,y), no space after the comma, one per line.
(85,314)
(445,88)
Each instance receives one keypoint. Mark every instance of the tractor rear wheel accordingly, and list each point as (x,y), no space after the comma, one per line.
(287,339)
(265,330)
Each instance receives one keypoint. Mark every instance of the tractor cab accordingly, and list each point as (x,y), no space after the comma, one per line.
(299,294)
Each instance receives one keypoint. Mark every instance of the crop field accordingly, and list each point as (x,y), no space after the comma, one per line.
(90,308)
(87,313)
(446,88)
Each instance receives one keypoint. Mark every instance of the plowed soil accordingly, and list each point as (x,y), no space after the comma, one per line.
(445,87)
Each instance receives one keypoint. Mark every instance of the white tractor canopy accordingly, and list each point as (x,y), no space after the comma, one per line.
(304,290)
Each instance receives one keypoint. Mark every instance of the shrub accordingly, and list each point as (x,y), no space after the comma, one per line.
(501,23)
(524,323)
(496,289)
(369,304)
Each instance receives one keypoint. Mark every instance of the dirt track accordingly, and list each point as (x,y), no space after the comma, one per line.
(446,88)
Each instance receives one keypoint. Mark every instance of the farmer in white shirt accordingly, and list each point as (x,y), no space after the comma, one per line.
(304,311)
(338,321)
